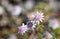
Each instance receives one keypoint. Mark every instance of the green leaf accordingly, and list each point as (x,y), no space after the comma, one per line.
(25,36)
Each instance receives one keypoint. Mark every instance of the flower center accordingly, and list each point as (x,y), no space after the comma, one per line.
(37,16)
(22,29)
(30,24)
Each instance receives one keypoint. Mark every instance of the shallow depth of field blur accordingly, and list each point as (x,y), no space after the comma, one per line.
(13,13)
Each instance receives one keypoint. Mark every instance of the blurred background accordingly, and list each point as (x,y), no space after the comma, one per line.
(15,12)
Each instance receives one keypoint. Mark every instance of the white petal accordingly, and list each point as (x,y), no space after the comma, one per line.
(37,12)
(33,26)
(42,16)
(41,13)
(41,20)
(32,15)
(23,24)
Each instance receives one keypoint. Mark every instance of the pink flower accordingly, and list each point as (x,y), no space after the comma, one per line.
(16,10)
(38,17)
(48,35)
(53,23)
(22,29)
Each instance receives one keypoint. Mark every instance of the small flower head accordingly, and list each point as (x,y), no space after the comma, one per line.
(16,10)
(53,23)
(38,17)
(48,35)
(31,25)
(22,29)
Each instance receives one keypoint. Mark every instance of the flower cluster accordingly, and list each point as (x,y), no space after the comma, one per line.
(37,18)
